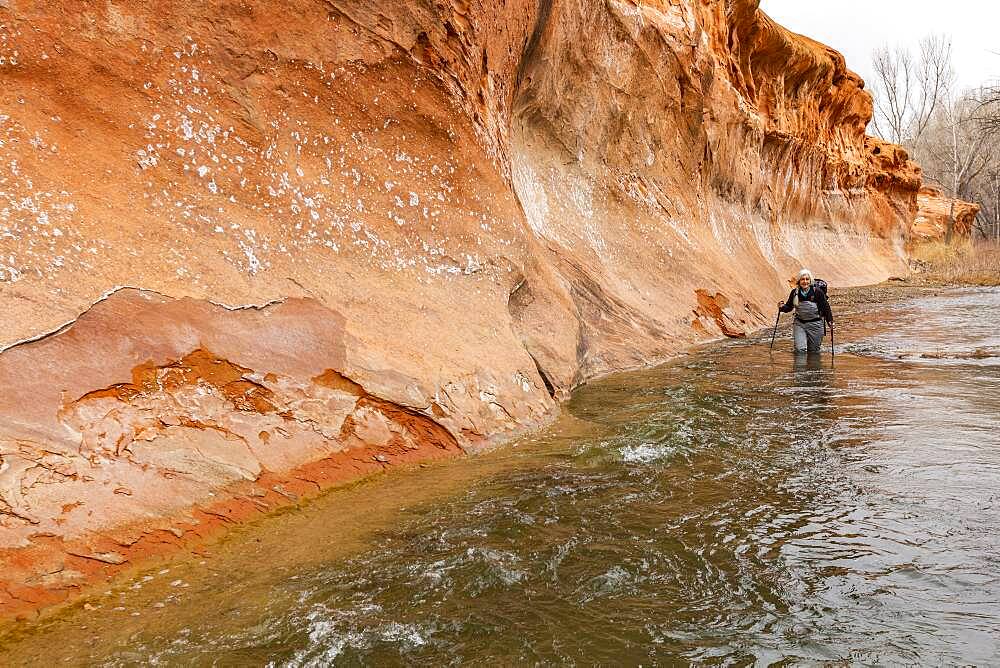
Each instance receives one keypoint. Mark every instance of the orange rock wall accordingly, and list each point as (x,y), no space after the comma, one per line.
(240,236)
(935,211)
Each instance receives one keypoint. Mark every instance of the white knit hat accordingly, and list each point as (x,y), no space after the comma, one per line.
(805,272)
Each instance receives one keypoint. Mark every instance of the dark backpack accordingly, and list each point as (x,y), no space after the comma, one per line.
(822,286)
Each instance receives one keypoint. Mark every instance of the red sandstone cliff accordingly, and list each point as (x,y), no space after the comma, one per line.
(249,248)
(936,212)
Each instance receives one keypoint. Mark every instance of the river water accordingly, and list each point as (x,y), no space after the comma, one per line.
(732,507)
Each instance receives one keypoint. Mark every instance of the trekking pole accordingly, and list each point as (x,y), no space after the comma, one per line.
(775,329)
(833,351)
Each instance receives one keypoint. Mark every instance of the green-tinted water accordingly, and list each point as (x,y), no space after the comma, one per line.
(732,507)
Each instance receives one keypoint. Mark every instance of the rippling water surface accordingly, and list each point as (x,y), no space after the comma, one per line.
(732,507)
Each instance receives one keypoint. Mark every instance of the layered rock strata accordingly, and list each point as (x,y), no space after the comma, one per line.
(939,216)
(250,246)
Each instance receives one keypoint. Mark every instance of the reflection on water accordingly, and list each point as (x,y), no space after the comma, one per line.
(732,507)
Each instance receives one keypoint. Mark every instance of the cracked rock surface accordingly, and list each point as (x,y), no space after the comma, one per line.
(190,421)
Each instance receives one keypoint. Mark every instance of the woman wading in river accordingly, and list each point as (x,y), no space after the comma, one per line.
(811,308)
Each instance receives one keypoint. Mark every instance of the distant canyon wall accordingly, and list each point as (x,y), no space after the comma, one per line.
(238,238)
(940,217)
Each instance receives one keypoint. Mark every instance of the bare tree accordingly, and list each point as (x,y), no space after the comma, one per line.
(956,149)
(987,194)
(955,136)
(988,111)
(893,90)
(935,79)
(909,91)
(954,152)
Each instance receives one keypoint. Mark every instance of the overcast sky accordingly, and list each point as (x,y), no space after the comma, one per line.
(856,27)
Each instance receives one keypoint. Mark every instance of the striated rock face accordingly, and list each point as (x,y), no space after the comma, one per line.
(242,240)
(936,211)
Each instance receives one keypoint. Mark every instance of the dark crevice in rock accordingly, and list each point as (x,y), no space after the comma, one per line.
(549,387)
(528,55)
